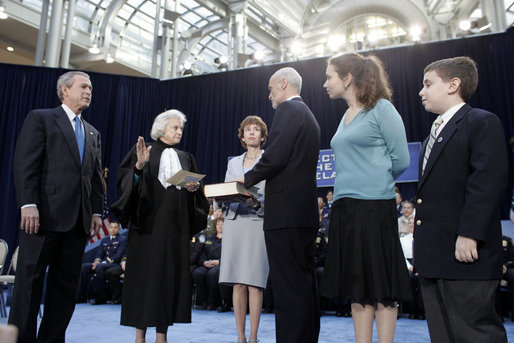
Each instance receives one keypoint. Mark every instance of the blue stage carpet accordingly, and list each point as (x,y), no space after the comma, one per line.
(101,324)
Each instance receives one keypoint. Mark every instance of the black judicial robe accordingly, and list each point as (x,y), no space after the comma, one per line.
(158,287)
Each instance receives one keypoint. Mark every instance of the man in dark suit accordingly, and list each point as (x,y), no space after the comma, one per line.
(291,216)
(463,173)
(58,179)
(111,250)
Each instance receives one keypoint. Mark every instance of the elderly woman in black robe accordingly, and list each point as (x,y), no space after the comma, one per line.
(162,218)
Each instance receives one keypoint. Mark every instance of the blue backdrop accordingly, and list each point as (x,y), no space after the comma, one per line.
(124,107)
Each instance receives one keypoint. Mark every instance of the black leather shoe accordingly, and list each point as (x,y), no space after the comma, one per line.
(270,310)
(210,307)
(224,308)
(116,301)
(97,302)
(421,316)
(411,316)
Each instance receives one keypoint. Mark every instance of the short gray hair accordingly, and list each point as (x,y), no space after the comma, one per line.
(291,76)
(66,79)
(160,122)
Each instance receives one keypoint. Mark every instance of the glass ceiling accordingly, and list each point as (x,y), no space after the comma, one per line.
(132,30)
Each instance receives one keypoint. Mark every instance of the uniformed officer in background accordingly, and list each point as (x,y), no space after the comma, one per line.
(111,251)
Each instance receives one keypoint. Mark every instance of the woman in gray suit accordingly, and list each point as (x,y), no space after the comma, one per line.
(243,254)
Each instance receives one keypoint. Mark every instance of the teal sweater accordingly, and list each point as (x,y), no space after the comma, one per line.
(370,153)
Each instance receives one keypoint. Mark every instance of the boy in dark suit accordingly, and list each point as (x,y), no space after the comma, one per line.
(463,174)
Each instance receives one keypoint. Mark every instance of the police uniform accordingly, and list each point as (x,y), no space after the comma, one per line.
(206,279)
(195,249)
(111,252)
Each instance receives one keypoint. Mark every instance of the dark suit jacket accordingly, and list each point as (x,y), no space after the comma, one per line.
(48,172)
(289,167)
(459,194)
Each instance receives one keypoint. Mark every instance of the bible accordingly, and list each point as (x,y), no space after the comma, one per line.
(230,191)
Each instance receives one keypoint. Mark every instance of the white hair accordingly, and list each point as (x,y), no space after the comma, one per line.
(291,76)
(160,122)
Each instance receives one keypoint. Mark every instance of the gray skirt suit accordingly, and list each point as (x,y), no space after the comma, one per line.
(243,253)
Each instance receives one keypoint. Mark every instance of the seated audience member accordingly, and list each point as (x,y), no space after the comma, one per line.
(211,220)
(330,199)
(398,201)
(508,278)
(324,214)
(111,250)
(195,249)
(113,276)
(415,306)
(206,276)
(403,221)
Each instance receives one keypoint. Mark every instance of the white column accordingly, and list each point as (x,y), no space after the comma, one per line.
(40,48)
(66,46)
(52,46)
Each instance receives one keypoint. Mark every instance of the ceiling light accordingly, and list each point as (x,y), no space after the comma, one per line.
(94,49)
(109,59)
(415,33)
(258,55)
(373,36)
(465,25)
(187,65)
(3,14)
(223,59)
(297,48)
(10,48)
(335,42)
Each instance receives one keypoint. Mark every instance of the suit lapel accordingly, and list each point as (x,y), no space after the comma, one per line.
(442,140)
(62,121)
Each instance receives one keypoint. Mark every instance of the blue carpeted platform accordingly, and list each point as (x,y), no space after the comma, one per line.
(101,324)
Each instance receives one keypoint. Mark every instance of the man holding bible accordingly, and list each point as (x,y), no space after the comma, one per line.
(291,218)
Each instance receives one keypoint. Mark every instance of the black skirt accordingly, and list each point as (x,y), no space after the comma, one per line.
(365,261)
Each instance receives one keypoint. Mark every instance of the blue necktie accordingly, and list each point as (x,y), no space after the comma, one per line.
(79,134)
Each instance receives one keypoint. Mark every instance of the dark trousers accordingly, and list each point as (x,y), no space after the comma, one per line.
(62,253)
(416,304)
(207,287)
(113,276)
(94,287)
(295,294)
(462,311)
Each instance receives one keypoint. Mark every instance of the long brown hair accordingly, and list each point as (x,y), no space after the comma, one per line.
(369,77)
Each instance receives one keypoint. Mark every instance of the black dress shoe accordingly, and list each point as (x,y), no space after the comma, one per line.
(97,302)
(224,308)
(270,310)
(116,301)
(421,316)
(210,307)
(412,316)
(347,314)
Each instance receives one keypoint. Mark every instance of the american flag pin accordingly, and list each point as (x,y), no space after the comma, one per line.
(90,132)
(439,140)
